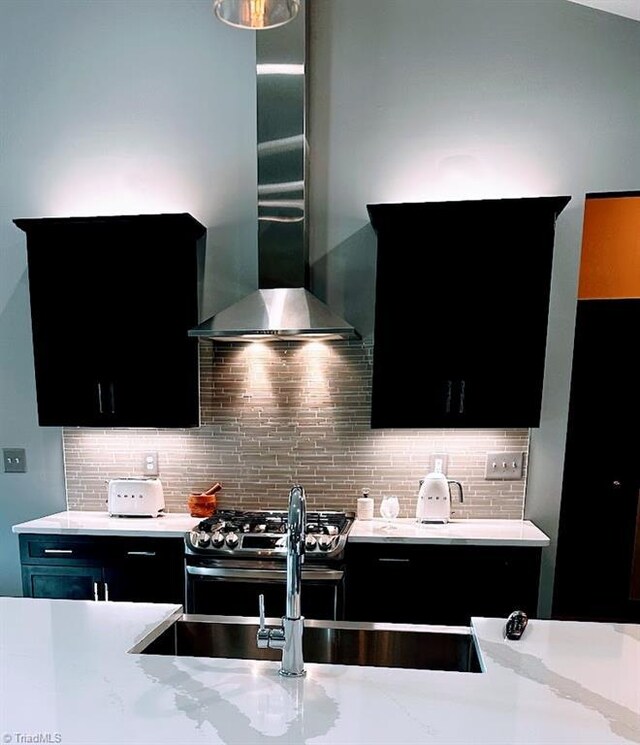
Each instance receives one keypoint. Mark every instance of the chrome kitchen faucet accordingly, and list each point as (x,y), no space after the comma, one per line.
(288,637)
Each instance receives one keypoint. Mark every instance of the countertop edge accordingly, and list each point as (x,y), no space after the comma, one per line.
(471,532)
(113,532)
(436,541)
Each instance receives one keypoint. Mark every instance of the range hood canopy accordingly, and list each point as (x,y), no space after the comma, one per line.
(280,313)
(282,307)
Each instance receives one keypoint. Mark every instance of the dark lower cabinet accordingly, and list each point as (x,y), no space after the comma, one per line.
(439,584)
(384,582)
(69,582)
(145,581)
(103,568)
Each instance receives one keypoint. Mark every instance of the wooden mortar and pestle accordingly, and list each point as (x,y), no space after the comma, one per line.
(203,504)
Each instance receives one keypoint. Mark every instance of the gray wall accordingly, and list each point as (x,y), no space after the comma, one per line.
(456,99)
(148,106)
(125,106)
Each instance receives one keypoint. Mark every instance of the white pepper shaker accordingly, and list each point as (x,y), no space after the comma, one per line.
(365,506)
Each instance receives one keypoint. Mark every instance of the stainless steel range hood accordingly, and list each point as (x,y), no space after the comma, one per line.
(282,307)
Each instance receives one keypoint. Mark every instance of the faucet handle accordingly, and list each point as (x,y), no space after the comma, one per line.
(262,637)
(265,637)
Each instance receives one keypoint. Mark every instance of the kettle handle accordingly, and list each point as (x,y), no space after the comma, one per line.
(459,485)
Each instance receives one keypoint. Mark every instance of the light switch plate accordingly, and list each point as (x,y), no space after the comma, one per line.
(15,460)
(504,466)
(441,459)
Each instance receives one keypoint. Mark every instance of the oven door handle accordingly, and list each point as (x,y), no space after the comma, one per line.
(263,575)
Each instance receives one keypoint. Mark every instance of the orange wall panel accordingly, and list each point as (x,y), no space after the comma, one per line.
(610,264)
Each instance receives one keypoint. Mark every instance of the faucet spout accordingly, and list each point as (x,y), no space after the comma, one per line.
(295,550)
(288,638)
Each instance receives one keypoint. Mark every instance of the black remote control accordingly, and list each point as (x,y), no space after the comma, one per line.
(516,624)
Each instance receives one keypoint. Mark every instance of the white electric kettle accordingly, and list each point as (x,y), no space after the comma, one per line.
(434,498)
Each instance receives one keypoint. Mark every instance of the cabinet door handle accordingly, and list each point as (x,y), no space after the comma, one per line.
(95,591)
(447,406)
(141,553)
(113,398)
(462,390)
(106,591)
(395,561)
(58,551)
(100,405)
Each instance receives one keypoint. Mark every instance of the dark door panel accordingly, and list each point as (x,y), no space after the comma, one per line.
(70,583)
(462,299)
(112,301)
(598,517)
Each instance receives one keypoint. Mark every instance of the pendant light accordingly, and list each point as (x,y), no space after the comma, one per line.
(256,14)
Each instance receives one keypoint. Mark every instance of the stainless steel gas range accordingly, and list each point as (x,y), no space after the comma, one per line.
(234,556)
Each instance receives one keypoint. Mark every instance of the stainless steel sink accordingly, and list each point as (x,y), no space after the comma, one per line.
(330,642)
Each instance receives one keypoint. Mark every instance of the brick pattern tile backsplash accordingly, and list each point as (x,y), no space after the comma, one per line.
(277,413)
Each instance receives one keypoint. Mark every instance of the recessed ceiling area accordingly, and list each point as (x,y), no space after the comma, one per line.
(628,8)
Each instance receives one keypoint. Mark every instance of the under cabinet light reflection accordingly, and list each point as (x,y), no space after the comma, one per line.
(289,203)
(286,186)
(281,145)
(279,69)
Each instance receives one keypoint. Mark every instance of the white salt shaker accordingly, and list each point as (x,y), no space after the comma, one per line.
(365,506)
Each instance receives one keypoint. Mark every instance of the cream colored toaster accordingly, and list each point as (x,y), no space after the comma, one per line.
(131,497)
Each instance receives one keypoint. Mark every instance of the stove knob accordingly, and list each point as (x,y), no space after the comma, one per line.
(203,538)
(310,542)
(232,540)
(217,539)
(324,542)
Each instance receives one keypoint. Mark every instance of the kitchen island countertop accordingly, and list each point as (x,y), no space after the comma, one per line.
(66,675)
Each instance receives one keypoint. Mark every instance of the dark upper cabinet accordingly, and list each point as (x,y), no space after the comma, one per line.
(462,300)
(112,300)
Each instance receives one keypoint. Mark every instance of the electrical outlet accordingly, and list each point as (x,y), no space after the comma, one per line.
(15,460)
(438,462)
(150,465)
(504,466)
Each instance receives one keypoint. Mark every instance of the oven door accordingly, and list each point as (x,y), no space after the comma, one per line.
(231,588)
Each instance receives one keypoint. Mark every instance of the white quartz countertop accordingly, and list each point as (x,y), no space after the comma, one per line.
(66,677)
(169,525)
(473,532)
(402,530)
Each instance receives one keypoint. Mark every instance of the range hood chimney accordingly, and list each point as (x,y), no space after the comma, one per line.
(282,307)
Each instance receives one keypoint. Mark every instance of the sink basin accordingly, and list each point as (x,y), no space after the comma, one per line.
(329,642)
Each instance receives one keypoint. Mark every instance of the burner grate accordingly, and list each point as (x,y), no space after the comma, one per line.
(272,522)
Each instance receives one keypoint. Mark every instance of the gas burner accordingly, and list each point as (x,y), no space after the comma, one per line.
(275,526)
